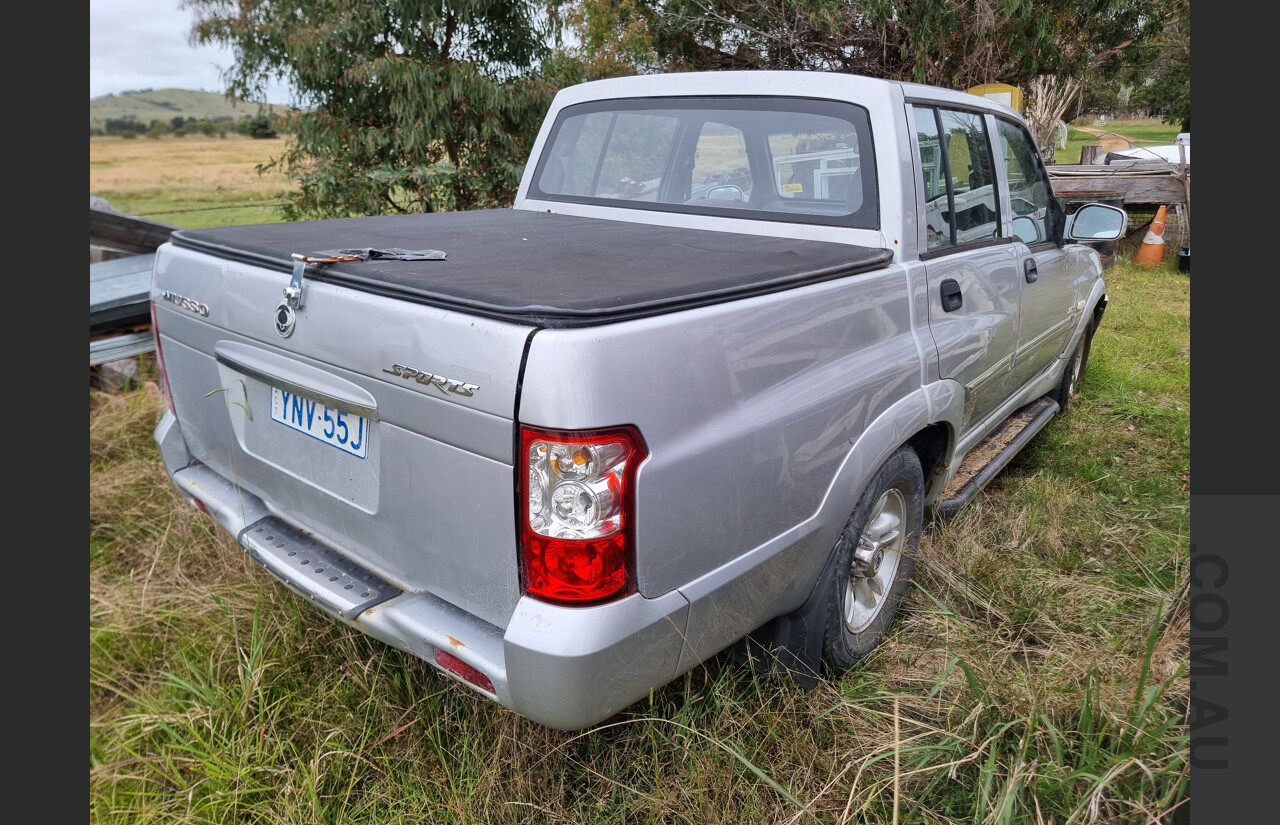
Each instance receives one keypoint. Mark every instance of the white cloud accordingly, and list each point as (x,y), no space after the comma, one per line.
(143,44)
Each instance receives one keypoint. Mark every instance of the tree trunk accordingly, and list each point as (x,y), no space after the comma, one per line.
(1048,100)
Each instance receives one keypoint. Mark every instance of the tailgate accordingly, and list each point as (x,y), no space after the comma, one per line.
(384,428)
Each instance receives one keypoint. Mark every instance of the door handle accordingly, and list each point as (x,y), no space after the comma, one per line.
(951,298)
(1029,268)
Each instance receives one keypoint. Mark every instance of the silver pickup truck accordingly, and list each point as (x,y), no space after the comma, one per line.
(696,390)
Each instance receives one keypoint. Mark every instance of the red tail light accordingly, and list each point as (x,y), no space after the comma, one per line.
(577,528)
(164,376)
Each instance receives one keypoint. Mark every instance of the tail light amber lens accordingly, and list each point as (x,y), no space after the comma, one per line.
(579,503)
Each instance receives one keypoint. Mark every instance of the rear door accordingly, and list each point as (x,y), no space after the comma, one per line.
(972,271)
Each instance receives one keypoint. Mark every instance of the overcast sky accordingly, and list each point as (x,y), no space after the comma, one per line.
(142,44)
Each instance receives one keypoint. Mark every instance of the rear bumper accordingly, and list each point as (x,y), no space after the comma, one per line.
(566,668)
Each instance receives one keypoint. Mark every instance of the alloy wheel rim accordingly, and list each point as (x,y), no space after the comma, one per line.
(867,590)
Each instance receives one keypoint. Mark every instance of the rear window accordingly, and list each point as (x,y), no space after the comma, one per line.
(797,160)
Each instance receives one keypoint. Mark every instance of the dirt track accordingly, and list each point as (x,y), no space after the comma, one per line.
(1110,141)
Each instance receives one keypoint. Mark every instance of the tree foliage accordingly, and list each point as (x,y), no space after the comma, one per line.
(952,43)
(258,127)
(424,105)
(409,105)
(1162,77)
(130,126)
(1046,47)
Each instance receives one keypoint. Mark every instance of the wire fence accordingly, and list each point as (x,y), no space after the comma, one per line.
(270,204)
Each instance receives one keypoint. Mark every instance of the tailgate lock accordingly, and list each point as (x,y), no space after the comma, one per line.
(286,317)
(286,310)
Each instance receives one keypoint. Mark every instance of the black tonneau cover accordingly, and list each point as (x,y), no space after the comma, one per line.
(541,268)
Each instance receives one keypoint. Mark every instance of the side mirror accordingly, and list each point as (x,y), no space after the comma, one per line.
(1027,230)
(1097,222)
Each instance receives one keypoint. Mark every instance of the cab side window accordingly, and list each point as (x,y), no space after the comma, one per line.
(1029,190)
(959,177)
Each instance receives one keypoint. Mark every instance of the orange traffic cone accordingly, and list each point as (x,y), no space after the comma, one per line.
(1152,251)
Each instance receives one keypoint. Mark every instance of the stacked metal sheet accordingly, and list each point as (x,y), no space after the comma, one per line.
(120,285)
(120,308)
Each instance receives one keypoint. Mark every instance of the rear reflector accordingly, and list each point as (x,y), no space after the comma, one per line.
(164,375)
(460,668)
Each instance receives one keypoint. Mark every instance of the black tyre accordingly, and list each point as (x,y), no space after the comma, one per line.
(1073,375)
(875,558)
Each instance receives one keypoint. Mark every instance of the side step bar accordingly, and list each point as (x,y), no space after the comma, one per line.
(991,455)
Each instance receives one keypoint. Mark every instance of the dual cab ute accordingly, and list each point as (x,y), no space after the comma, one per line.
(697,388)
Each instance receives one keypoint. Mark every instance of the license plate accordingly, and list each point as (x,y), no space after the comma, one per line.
(346,431)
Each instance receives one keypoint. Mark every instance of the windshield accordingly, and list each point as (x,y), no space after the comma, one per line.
(800,160)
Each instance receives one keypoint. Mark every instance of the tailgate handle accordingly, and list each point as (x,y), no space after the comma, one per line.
(951,298)
(297,378)
(1029,267)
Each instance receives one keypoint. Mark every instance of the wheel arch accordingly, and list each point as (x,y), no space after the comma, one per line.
(926,422)
(1099,307)
(1095,304)
(933,445)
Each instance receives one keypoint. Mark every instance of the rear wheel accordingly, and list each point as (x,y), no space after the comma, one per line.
(875,558)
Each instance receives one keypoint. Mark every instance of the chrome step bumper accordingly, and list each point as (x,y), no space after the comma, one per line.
(314,571)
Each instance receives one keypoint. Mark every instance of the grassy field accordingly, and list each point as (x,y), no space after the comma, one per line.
(1038,673)
(193,182)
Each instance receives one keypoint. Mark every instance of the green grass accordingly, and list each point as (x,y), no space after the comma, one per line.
(201,210)
(1141,132)
(1037,674)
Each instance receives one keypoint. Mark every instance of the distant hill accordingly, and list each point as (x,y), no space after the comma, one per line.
(165,104)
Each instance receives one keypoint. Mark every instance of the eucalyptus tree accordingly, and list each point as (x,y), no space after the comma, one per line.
(405,105)
(1162,78)
(1046,47)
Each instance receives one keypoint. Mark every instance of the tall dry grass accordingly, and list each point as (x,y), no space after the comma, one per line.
(1038,673)
(192,182)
